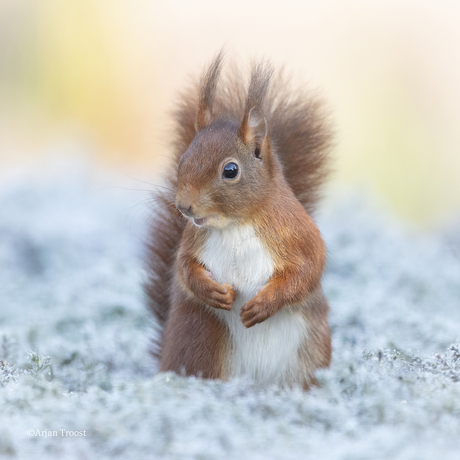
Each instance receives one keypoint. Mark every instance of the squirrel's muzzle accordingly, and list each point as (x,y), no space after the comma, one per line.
(187,198)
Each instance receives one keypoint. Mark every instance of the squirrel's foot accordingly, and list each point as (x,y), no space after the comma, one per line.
(219,296)
(254,312)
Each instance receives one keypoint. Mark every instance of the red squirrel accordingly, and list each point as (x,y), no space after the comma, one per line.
(234,258)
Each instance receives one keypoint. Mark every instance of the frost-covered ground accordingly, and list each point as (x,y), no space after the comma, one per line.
(74,333)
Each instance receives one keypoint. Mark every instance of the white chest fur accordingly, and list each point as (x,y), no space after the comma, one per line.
(267,352)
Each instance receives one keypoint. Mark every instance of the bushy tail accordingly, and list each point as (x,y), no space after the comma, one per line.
(164,238)
(299,131)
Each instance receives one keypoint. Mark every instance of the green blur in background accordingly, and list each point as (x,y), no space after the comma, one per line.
(104,73)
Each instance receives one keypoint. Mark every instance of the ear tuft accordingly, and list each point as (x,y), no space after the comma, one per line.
(253,113)
(207,92)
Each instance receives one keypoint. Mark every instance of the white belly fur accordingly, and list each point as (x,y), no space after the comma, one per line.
(266,352)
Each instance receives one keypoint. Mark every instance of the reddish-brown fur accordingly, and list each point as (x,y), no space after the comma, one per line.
(298,250)
(194,339)
(214,123)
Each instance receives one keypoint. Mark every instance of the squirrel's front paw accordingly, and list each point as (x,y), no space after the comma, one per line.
(253,312)
(219,296)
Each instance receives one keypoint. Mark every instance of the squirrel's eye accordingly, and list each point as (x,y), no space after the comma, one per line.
(230,171)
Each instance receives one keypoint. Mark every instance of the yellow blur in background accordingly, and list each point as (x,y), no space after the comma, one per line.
(105,73)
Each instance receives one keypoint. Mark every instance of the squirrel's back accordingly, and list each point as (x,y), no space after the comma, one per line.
(299,131)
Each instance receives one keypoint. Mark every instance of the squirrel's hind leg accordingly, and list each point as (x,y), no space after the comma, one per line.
(315,352)
(194,341)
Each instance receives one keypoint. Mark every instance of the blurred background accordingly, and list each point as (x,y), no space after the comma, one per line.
(101,75)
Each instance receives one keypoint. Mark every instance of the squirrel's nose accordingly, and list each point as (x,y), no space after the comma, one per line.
(184,210)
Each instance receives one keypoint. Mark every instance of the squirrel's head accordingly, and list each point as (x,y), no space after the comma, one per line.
(225,174)
(229,168)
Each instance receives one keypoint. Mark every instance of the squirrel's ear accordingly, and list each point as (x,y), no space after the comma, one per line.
(254,128)
(252,125)
(207,91)
(251,122)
